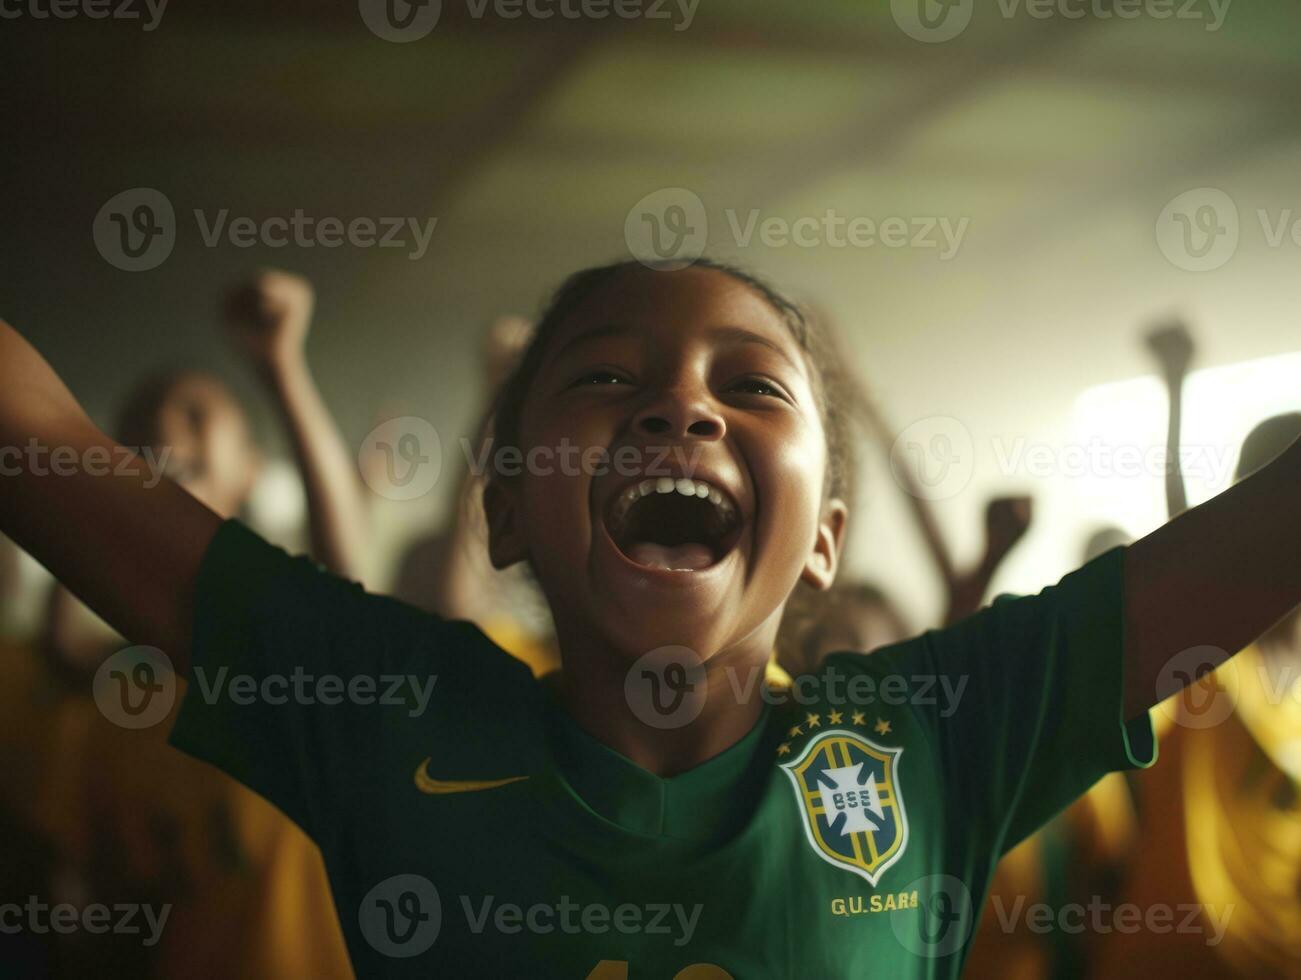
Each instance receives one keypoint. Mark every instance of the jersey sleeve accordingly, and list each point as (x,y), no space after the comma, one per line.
(1032,715)
(301,682)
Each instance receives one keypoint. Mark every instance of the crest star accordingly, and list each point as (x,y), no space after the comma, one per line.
(796,730)
(784,748)
(882,727)
(834,717)
(814,721)
(859,718)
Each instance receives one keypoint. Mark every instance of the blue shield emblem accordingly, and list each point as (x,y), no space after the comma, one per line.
(848,791)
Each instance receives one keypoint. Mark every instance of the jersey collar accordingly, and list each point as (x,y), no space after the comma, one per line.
(704,804)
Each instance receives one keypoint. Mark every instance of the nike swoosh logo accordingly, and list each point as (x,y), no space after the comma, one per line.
(437,787)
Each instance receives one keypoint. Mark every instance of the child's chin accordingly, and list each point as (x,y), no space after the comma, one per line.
(637,636)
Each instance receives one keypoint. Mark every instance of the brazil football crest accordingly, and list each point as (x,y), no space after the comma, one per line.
(847,788)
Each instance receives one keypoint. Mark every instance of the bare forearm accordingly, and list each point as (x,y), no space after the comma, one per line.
(1216,577)
(936,549)
(1175,497)
(104,522)
(335,500)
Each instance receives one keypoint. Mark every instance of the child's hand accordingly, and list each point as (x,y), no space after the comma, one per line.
(1006,521)
(1172,346)
(268,318)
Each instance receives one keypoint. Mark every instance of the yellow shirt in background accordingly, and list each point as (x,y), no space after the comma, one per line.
(1221,832)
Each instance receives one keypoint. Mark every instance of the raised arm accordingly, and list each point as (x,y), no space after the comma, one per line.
(1006,521)
(936,547)
(1216,577)
(268,320)
(105,522)
(1172,346)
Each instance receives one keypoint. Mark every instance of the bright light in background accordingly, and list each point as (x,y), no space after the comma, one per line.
(1122,426)
(277,507)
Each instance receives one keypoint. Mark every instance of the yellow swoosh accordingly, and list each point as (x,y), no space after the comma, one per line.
(428,784)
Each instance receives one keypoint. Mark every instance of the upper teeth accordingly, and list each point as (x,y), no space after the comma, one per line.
(667,484)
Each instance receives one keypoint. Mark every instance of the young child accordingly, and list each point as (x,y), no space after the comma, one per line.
(586,829)
(128,818)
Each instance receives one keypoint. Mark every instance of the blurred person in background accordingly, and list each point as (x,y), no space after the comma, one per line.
(124,816)
(859,615)
(448,572)
(1219,850)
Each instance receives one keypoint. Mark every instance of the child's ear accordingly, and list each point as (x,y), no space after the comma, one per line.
(505,525)
(820,569)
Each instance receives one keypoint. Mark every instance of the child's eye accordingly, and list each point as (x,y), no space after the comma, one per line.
(757,386)
(601,376)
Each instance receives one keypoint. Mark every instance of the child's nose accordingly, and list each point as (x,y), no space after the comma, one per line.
(678,417)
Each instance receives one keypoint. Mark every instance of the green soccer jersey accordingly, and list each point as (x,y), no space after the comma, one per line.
(469,828)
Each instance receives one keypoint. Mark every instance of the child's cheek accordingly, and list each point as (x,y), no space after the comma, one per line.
(799,468)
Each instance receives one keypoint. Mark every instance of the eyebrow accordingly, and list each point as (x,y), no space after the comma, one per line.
(741,335)
(586,336)
(732,334)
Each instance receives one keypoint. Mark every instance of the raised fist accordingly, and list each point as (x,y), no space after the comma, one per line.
(1006,521)
(268,317)
(1172,346)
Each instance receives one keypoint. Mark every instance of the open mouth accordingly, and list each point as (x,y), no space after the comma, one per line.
(679,525)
